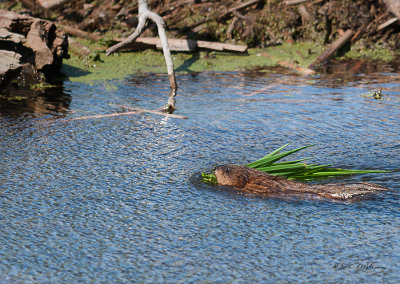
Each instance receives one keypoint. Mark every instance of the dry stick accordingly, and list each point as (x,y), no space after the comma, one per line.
(231,27)
(189,44)
(141,110)
(128,113)
(144,14)
(237,8)
(386,24)
(294,2)
(327,54)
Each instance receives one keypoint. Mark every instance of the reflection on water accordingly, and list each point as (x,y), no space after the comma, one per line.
(35,102)
(119,199)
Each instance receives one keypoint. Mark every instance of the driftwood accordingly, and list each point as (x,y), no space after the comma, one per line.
(294,2)
(386,24)
(256,182)
(144,15)
(186,44)
(134,111)
(327,54)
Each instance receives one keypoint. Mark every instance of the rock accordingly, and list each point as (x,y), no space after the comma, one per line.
(256,182)
(7,37)
(27,42)
(9,64)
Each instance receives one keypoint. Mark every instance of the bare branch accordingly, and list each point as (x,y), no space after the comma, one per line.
(144,14)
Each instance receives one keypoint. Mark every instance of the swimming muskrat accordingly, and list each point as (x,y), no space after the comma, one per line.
(256,182)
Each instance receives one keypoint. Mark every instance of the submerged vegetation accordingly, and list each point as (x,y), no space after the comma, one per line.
(294,170)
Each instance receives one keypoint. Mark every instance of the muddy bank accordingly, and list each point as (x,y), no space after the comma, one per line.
(256,23)
(372,26)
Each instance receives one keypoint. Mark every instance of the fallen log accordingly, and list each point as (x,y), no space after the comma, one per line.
(252,181)
(135,111)
(387,23)
(187,44)
(294,2)
(328,53)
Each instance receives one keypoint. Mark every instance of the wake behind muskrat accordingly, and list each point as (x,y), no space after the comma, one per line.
(256,182)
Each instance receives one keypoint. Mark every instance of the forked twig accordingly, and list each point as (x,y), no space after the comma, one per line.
(144,15)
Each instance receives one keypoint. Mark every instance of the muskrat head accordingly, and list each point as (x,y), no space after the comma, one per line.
(231,175)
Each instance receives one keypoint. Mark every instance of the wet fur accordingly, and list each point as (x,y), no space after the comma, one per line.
(256,182)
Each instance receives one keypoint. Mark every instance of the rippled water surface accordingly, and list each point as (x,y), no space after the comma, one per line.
(119,199)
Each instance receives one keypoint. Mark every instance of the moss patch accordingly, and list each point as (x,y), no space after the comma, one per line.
(377,54)
(97,66)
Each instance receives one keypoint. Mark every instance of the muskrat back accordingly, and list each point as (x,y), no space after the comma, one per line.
(261,183)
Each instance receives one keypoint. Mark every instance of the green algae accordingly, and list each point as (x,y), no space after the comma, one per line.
(120,65)
(98,67)
(375,54)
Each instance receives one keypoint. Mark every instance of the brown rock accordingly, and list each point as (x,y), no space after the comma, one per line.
(31,41)
(37,39)
(9,64)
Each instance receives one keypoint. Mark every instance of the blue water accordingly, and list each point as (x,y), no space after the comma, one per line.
(119,199)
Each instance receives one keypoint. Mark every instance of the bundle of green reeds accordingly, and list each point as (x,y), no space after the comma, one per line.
(296,169)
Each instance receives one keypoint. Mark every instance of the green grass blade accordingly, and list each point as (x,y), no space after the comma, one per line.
(292,162)
(293,169)
(266,157)
(270,159)
(282,168)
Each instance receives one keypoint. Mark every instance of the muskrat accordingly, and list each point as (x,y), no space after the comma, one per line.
(256,182)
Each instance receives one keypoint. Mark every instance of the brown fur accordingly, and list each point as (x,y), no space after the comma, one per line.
(260,183)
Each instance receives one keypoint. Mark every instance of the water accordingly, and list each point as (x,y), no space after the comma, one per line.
(119,199)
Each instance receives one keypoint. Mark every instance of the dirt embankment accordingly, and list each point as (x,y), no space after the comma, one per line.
(257,23)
